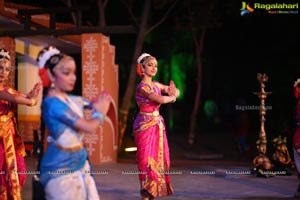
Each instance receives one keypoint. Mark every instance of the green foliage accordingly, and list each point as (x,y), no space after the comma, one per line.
(176,69)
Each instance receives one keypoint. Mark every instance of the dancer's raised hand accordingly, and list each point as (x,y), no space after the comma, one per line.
(101,102)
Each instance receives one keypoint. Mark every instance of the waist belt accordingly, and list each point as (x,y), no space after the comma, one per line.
(70,149)
(154,113)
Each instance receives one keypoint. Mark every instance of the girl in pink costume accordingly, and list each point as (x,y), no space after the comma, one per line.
(149,129)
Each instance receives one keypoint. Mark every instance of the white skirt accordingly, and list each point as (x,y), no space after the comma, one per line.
(78,185)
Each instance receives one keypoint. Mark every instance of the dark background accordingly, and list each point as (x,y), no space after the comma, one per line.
(236,48)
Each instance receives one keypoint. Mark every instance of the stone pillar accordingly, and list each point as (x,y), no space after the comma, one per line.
(28,117)
(99,72)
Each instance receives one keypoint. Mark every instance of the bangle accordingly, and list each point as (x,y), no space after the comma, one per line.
(98,115)
(33,102)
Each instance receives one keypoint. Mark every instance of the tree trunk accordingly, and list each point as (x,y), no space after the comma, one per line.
(132,76)
(199,48)
(101,17)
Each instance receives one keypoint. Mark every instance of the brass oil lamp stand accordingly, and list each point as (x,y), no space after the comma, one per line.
(262,78)
(261,162)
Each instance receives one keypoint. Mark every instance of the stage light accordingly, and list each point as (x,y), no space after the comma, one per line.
(130,149)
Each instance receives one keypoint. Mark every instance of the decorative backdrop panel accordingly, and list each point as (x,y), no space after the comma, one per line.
(99,72)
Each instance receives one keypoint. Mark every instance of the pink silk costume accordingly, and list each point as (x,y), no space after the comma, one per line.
(12,152)
(152,145)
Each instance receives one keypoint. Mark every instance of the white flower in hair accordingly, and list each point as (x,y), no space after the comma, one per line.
(141,57)
(4,54)
(44,57)
(296,82)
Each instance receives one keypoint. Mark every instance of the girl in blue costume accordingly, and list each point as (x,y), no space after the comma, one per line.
(64,167)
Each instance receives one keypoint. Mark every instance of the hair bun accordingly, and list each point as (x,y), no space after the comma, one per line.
(45,54)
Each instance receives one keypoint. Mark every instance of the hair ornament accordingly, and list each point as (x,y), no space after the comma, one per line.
(296,82)
(142,57)
(54,60)
(46,54)
(139,69)
(44,77)
(4,54)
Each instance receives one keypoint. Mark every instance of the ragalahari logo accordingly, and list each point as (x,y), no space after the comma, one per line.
(246,9)
(270,8)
